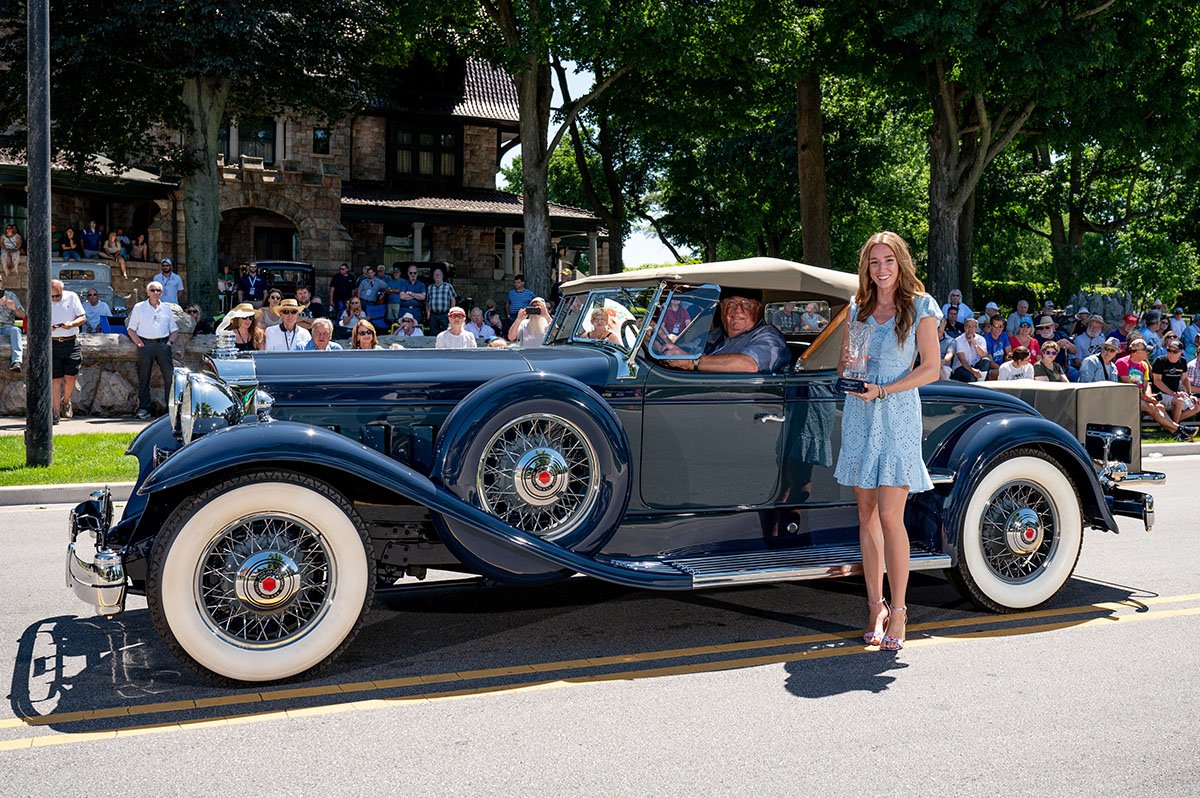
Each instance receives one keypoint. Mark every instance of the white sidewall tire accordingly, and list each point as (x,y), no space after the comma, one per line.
(186,620)
(1070,533)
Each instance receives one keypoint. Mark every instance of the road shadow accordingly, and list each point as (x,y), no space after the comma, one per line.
(580,629)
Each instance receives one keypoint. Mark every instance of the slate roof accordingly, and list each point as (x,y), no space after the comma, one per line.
(455,200)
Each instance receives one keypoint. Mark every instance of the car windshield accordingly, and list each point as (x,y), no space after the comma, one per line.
(613,316)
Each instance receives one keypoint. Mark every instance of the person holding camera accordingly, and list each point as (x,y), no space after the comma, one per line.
(529,328)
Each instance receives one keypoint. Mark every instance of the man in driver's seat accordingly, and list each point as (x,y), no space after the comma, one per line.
(743,342)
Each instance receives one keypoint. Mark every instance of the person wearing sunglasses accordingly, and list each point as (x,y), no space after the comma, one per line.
(1046,369)
(66,318)
(152,328)
(1102,366)
(364,336)
(288,335)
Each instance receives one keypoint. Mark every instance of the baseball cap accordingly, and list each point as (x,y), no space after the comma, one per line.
(991,306)
(1025,322)
(1179,310)
(167,261)
(1137,343)
(456,311)
(1175,345)
(1082,311)
(1131,318)
(1048,304)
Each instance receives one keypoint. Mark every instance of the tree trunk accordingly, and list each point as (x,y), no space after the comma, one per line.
(533,98)
(966,252)
(810,148)
(943,215)
(204,99)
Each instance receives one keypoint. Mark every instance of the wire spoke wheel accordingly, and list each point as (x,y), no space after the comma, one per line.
(265,581)
(539,474)
(1019,531)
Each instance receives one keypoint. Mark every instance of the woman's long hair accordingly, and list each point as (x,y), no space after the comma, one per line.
(254,334)
(908,286)
(354,344)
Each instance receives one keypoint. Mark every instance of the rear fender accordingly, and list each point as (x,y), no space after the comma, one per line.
(280,444)
(981,443)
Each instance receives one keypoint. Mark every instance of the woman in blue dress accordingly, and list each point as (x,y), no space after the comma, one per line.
(880,453)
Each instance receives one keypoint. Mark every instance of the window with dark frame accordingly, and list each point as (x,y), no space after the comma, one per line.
(256,138)
(428,154)
(320,141)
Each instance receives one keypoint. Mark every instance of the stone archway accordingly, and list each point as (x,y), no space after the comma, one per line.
(256,234)
(321,238)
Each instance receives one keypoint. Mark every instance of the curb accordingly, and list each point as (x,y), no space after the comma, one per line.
(1170,449)
(59,494)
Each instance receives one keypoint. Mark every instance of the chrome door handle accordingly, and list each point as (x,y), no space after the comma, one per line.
(764,418)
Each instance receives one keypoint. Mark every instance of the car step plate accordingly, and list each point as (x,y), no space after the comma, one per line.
(816,562)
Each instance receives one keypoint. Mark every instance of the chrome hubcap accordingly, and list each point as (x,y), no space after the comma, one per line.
(1020,531)
(539,474)
(265,581)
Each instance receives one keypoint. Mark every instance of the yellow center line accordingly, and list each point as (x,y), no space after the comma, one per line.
(628,675)
(592,662)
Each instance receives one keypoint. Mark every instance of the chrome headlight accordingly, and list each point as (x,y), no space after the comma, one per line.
(174,397)
(206,405)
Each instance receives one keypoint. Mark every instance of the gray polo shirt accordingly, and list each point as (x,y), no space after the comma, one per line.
(762,342)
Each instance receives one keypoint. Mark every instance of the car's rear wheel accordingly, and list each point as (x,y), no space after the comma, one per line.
(1021,536)
(261,578)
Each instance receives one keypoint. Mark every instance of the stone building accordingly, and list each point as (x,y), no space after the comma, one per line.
(410,177)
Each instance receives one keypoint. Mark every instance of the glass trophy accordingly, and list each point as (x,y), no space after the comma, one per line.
(853,379)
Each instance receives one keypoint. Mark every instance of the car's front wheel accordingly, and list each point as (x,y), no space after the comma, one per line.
(260,578)
(1021,534)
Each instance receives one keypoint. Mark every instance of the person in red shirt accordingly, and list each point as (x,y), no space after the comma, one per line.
(1133,369)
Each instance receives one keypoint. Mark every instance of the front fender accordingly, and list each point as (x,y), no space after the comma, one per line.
(978,445)
(283,444)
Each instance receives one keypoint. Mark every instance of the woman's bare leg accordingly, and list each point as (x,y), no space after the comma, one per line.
(897,550)
(870,537)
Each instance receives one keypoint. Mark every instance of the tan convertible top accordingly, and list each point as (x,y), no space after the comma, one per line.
(777,279)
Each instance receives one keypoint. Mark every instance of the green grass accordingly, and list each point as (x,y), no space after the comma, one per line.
(93,458)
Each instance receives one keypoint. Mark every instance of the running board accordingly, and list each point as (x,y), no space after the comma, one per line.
(816,562)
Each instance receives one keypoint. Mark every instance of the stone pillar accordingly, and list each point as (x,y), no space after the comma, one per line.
(594,253)
(235,147)
(508,251)
(517,267)
(417,227)
(280,140)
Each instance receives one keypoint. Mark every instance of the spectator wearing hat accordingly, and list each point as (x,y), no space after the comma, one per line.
(1089,341)
(956,302)
(1125,331)
(287,335)
(409,327)
(1177,322)
(172,283)
(1047,330)
(1133,369)
(530,325)
(1015,317)
(241,320)
(1025,338)
(1018,368)
(1169,377)
(1151,325)
(456,337)
(992,311)
(1080,322)
(1101,366)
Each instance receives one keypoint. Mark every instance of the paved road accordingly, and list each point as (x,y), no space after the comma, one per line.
(585,688)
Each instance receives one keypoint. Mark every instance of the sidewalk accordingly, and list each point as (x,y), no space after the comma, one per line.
(10,425)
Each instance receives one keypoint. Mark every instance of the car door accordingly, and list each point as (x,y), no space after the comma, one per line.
(813,438)
(709,440)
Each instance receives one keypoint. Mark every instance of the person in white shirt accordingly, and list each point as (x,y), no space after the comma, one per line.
(409,328)
(456,337)
(66,317)
(287,335)
(478,327)
(96,311)
(969,353)
(172,283)
(964,312)
(529,327)
(1088,342)
(1178,322)
(152,328)
(1019,368)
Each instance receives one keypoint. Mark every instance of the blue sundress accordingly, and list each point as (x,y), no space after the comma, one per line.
(881,440)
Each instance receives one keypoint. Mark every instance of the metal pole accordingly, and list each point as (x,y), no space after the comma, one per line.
(39,437)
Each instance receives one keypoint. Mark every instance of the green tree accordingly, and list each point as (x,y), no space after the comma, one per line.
(186,66)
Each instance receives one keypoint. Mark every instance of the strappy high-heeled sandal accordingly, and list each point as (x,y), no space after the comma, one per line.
(873,637)
(891,643)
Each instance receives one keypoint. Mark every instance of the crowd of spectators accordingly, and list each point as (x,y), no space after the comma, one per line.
(1154,350)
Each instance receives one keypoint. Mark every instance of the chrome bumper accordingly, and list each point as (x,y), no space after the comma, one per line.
(1131,504)
(100,582)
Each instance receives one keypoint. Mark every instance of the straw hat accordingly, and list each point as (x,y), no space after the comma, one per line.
(290,304)
(242,311)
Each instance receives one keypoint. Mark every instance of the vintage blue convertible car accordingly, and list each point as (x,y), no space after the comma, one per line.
(283,488)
